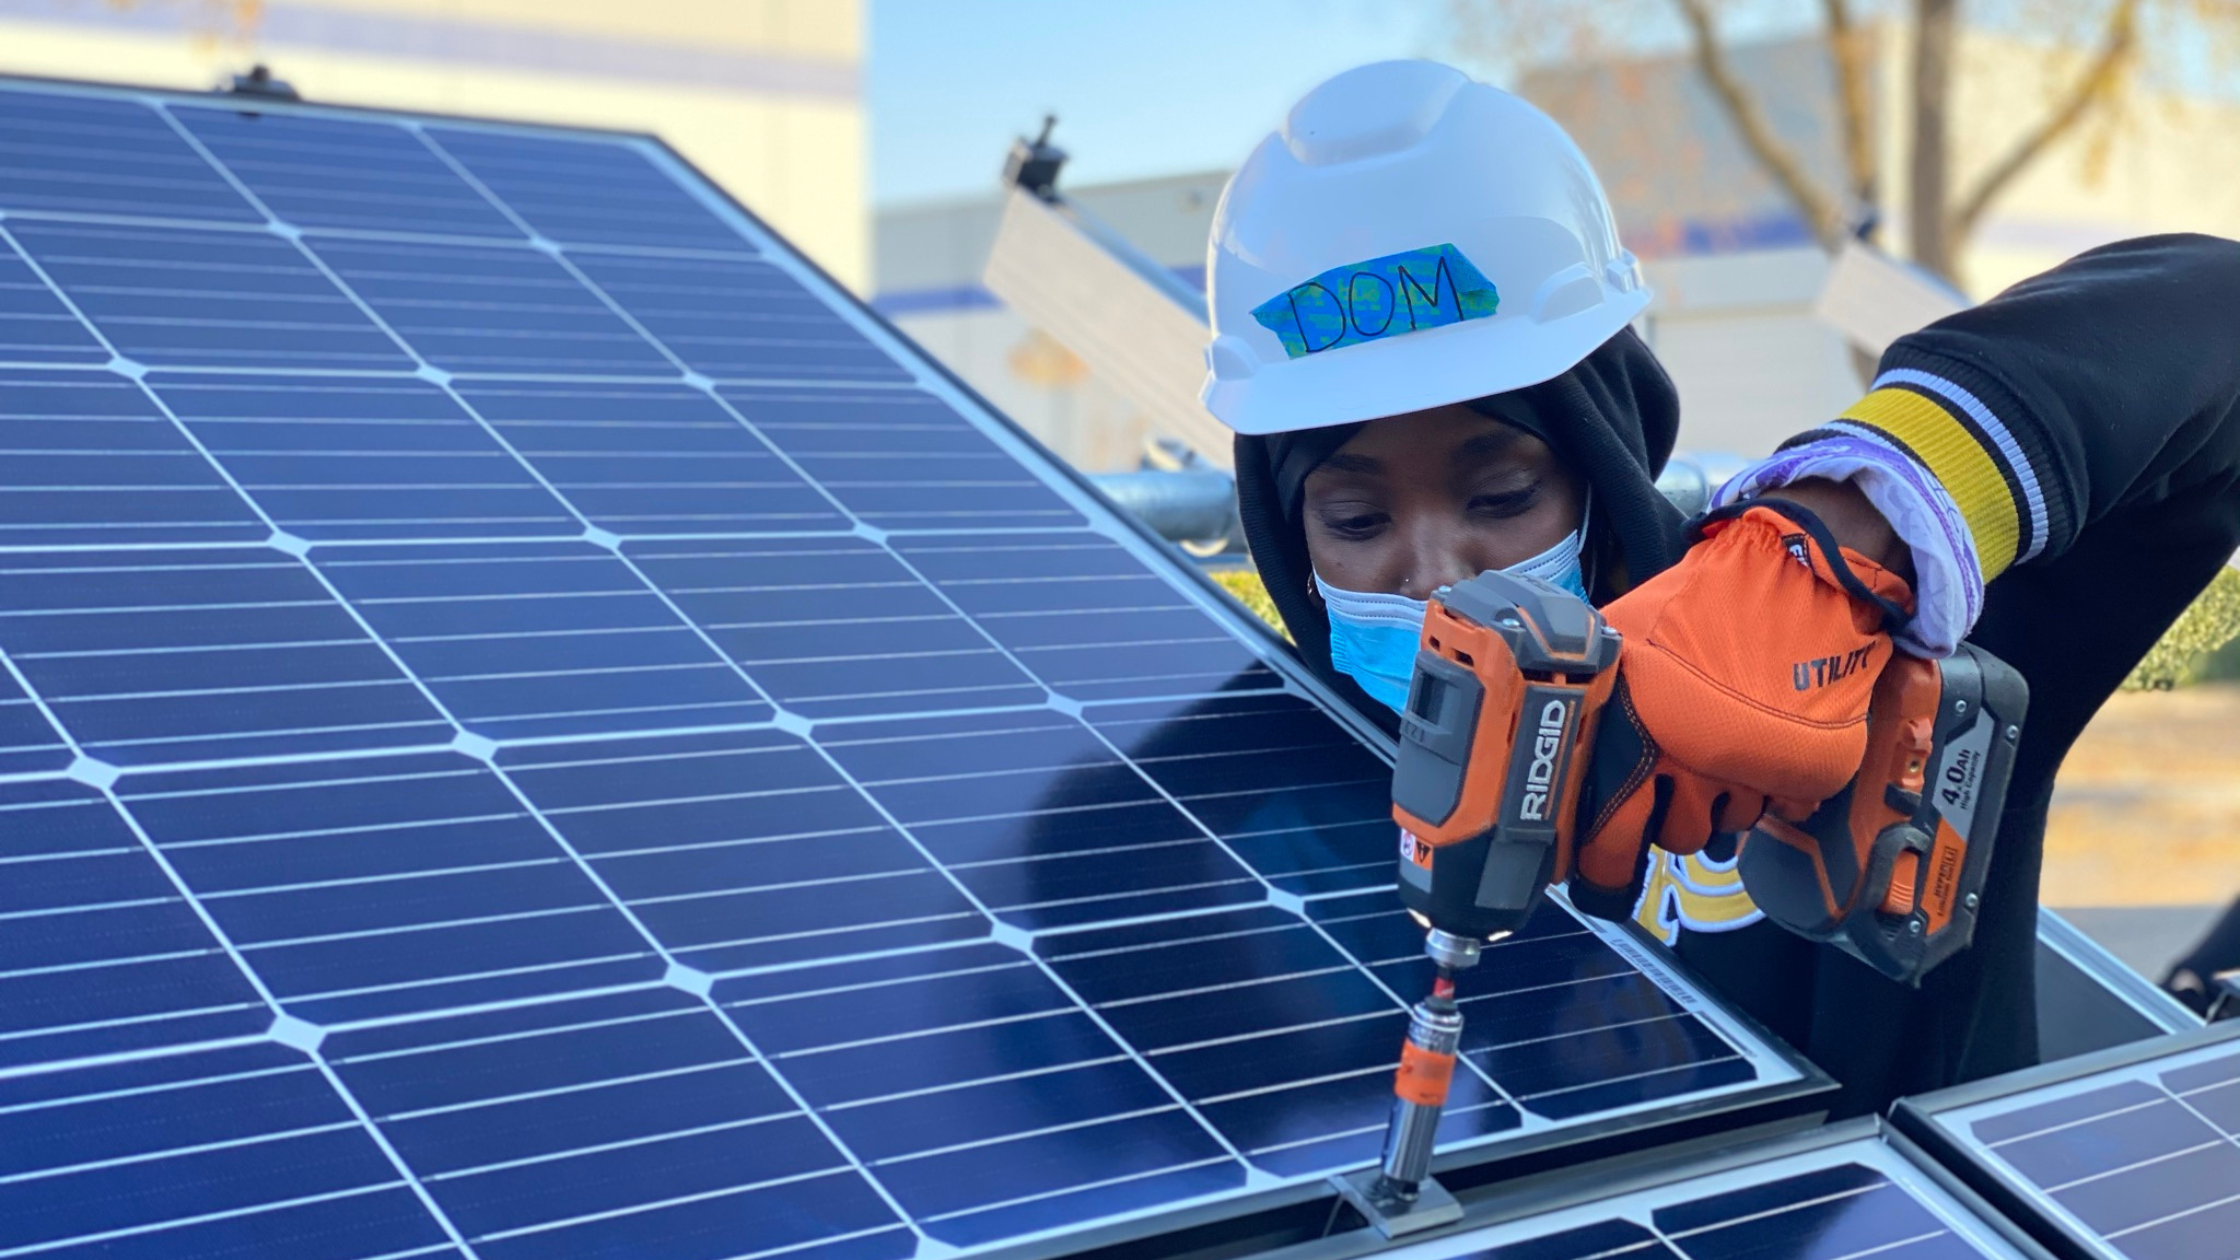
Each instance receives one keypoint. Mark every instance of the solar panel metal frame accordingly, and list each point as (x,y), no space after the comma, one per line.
(1496,1213)
(1934,1123)
(1764,1107)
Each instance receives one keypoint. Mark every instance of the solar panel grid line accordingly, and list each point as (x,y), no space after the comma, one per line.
(2221,1140)
(591,874)
(2132,1154)
(287,562)
(1398,1001)
(104,782)
(600,291)
(498,437)
(1049,973)
(447,382)
(448,385)
(686,979)
(751,1056)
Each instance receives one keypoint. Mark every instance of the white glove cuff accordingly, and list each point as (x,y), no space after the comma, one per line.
(1948,581)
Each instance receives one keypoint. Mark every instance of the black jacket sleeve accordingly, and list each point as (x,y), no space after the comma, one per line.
(2087,423)
(2106,383)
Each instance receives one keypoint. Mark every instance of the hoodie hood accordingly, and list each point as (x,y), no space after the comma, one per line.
(1612,418)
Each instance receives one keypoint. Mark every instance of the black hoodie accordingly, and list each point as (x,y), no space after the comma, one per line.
(1612,418)
(2087,422)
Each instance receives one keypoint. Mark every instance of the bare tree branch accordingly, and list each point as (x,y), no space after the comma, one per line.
(1822,212)
(1847,46)
(1928,165)
(2098,81)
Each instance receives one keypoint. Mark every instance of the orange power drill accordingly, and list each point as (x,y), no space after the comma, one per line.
(1511,677)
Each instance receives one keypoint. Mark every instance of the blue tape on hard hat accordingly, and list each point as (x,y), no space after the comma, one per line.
(1382,297)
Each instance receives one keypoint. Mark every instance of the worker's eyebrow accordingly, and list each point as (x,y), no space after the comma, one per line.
(1343,462)
(1494,441)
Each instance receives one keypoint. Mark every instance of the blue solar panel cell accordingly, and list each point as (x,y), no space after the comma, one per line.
(1848,1210)
(83,154)
(1080,613)
(171,297)
(738,319)
(2149,1174)
(902,459)
(741,849)
(1295,1072)
(368,889)
(1831,1196)
(518,640)
(990,1098)
(332,173)
(649,459)
(491,309)
(1325,831)
(99,952)
(246,1150)
(2135,1161)
(1039,819)
(90,458)
(1603,1238)
(1625,1040)
(586,192)
(535,1128)
(834,627)
(35,325)
(29,744)
(162,656)
(333,458)
(528,723)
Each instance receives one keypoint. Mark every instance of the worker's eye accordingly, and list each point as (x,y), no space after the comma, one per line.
(1506,504)
(1352,525)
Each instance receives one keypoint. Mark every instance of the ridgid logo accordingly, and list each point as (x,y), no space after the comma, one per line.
(1540,772)
(1822,670)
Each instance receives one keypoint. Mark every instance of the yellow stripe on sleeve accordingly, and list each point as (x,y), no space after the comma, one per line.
(1959,462)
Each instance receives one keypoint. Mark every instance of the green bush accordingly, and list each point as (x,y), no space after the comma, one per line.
(2201,646)
(1244,583)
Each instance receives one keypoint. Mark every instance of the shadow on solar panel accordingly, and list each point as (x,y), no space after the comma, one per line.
(532,725)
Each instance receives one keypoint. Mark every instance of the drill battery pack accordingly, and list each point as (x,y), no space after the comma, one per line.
(1891,869)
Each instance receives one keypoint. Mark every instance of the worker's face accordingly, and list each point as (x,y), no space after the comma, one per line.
(1427,499)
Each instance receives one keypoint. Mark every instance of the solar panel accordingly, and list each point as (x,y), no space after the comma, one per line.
(532,725)
(2133,1154)
(1841,1194)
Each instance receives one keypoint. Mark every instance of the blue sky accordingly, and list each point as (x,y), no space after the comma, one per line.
(1156,87)
(1140,87)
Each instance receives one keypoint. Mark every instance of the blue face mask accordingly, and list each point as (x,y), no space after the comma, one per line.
(1373,638)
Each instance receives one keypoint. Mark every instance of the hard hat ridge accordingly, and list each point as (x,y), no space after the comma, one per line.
(1382,107)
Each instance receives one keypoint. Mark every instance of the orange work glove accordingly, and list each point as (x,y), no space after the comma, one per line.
(1743,686)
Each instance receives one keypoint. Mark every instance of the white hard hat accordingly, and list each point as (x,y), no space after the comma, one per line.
(1409,238)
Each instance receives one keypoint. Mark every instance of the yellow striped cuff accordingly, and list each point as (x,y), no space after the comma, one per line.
(1968,473)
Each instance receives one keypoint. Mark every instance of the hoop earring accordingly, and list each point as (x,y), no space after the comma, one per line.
(1313,592)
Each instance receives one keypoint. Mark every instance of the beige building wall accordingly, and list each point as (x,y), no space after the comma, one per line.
(765,96)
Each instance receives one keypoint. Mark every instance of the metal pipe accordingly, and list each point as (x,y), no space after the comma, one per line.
(1190,506)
